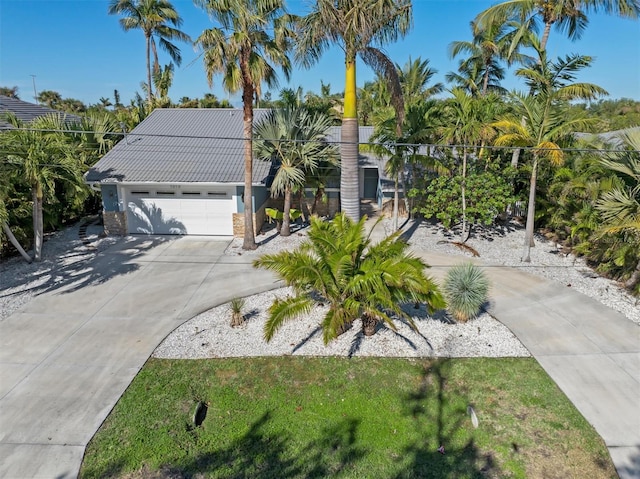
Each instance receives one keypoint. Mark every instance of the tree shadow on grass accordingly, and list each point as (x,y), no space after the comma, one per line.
(438,422)
(259,453)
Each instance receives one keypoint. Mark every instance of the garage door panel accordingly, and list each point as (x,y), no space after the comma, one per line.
(179,215)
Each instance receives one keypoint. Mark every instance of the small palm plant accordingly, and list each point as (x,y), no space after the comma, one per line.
(466,289)
(237,318)
(355,278)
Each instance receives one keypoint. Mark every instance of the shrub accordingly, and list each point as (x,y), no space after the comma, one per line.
(466,289)
(236,311)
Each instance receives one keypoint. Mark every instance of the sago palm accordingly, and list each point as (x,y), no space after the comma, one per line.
(293,139)
(358,27)
(252,40)
(355,278)
(157,19)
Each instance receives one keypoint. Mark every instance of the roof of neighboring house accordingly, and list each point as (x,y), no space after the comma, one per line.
(182,145)
(27,112)
(615,138)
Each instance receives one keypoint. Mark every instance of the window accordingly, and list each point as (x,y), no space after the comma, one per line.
(217,194)
(165,193)
(190,193)
(140,193)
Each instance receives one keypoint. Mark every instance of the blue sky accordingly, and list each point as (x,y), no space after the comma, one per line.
(76,48)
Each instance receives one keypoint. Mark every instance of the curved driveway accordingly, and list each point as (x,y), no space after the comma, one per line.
(69,354)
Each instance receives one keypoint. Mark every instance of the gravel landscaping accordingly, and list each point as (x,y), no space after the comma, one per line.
(210,334)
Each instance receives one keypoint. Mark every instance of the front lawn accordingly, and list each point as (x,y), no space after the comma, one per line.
(296,417)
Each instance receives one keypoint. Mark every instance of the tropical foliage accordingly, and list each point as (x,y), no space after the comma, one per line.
(340,266)
(293,140)
(158,19)
(253,39)
(541,122)
(357,27)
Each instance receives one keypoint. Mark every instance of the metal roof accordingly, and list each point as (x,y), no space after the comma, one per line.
(176,145)
(27,112)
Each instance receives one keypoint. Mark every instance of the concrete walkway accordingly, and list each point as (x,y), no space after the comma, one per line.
(67,357)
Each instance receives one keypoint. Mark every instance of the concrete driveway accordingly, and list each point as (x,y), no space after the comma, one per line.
(67,357)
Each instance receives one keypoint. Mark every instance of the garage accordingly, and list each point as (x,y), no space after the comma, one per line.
(179,212)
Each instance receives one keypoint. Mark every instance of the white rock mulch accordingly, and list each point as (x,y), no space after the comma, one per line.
(209,335)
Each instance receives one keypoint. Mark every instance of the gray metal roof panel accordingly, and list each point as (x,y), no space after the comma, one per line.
(28,112)
(181,145)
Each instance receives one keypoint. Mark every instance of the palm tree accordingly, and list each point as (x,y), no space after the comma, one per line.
(568,16)
(542,121)
(41,158)
(11,92)
(355,278)
(50,98)
(162,80)
(157,19)
(355,25)
(246,53)
(293,139)
(414,77)
(469,126)
(620,206)
(488,48)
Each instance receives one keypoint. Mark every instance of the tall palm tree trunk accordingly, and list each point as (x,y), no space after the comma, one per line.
(349,180)
(396,199)
(38,230)
(149,92)
(285,229)
(249,242)
(15,243)
(634,279)
(545,36)
(463,189)
(531,211)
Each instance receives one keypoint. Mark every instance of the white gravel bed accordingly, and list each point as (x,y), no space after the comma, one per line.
(501,246)
(505,247)
(209,335)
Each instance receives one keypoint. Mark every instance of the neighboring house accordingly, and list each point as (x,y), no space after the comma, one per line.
(181,171)
(613,138)
(27,112)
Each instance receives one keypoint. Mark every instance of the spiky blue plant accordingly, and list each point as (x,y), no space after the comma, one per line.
(466,289)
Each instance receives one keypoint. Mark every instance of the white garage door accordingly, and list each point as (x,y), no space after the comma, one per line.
(180,212)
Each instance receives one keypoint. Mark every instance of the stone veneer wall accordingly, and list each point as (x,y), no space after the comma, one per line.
(259,218)
(115,223)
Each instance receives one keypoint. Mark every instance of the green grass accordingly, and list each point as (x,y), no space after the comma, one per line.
(294,417)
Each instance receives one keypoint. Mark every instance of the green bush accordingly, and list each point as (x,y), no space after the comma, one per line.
(466,289)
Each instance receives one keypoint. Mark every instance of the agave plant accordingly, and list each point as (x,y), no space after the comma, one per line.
(466,289)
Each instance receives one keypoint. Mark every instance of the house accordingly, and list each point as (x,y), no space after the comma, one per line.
(27,112)
(181,171)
